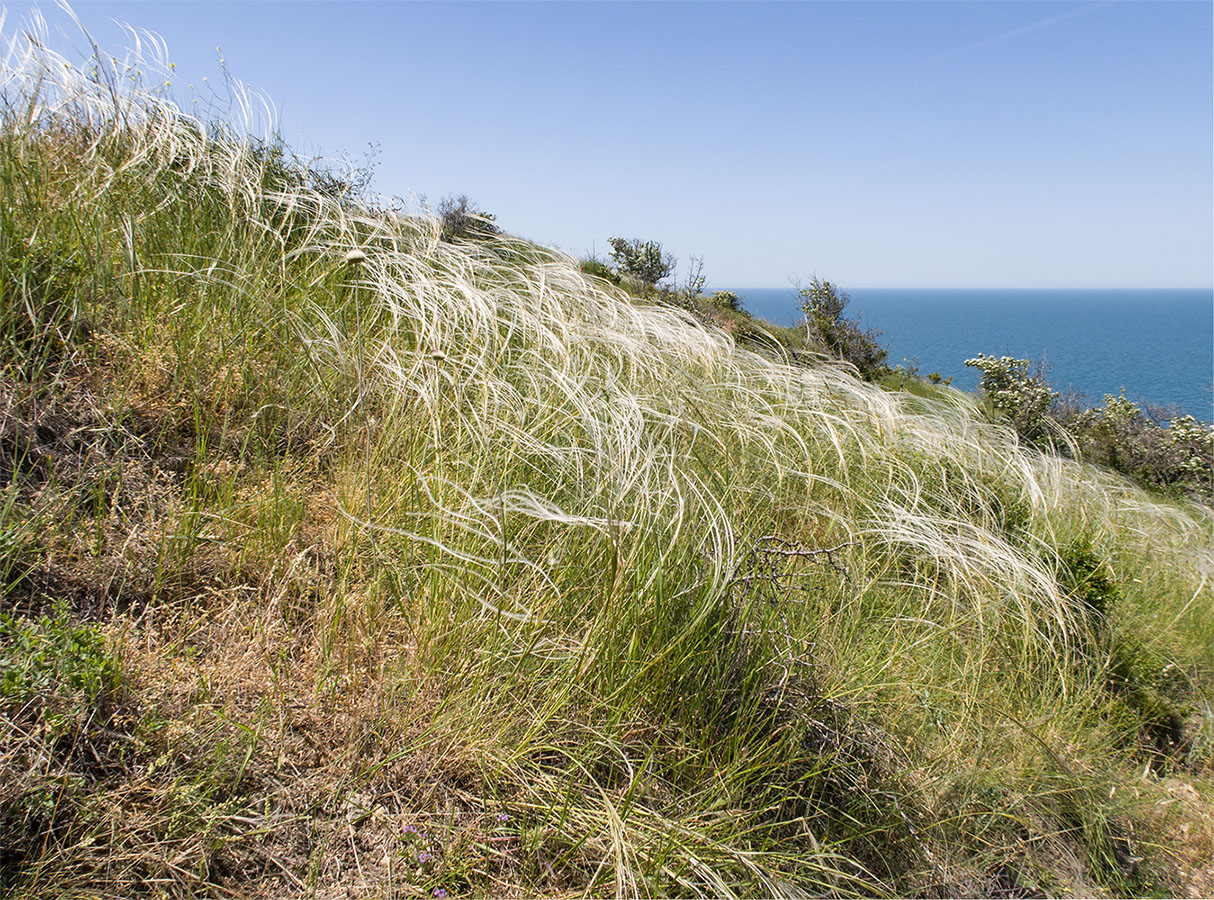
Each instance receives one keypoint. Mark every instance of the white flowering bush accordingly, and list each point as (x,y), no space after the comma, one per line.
(1178,458)
(727,299)
(1119,435)
(1017,391)
(1119,411)
(1195,441)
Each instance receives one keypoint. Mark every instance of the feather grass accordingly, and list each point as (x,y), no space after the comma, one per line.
(551,510)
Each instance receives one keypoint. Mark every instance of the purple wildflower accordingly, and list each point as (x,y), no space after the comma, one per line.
(440,892)
(503,817)
(424,857)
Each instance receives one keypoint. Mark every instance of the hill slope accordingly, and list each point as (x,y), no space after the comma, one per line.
(342,560)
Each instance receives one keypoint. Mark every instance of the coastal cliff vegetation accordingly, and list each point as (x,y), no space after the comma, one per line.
(346,554)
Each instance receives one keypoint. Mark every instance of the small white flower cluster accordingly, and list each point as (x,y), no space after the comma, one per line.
(1196,440)
(1120,411)
(1023,396)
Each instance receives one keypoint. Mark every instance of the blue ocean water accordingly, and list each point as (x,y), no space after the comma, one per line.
(1157,344)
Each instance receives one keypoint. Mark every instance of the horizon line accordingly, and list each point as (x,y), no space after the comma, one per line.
(903,287)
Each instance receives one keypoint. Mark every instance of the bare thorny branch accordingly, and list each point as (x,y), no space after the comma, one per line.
(764,566)
(765,561)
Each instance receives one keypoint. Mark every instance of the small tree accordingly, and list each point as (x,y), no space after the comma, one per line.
(643,260)
(696,279)
(823,304)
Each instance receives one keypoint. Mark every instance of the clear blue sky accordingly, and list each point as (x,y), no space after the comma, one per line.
(895,144)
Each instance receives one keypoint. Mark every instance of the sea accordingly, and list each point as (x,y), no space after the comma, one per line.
(1156,344)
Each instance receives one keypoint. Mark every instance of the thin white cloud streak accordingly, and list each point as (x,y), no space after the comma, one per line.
(1027,29)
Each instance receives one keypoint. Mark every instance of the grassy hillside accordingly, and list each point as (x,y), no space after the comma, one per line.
(341,560)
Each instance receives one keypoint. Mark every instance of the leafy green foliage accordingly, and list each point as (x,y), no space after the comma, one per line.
(600,270)
(825,326)
(1018,393)
(1087,578)
(643,260)
(1179,457)
(51,657)
(727,300)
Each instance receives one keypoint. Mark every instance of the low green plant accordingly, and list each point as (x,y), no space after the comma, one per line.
(1087,579)
(41,303)
(51,657)
(600,269)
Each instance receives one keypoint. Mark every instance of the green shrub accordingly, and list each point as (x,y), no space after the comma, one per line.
(599,270)
(1175,459)
(643,260)
(1195,443)
(727,300)
(1018,392)
(1118,435)
(1085,577)
(823,305)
